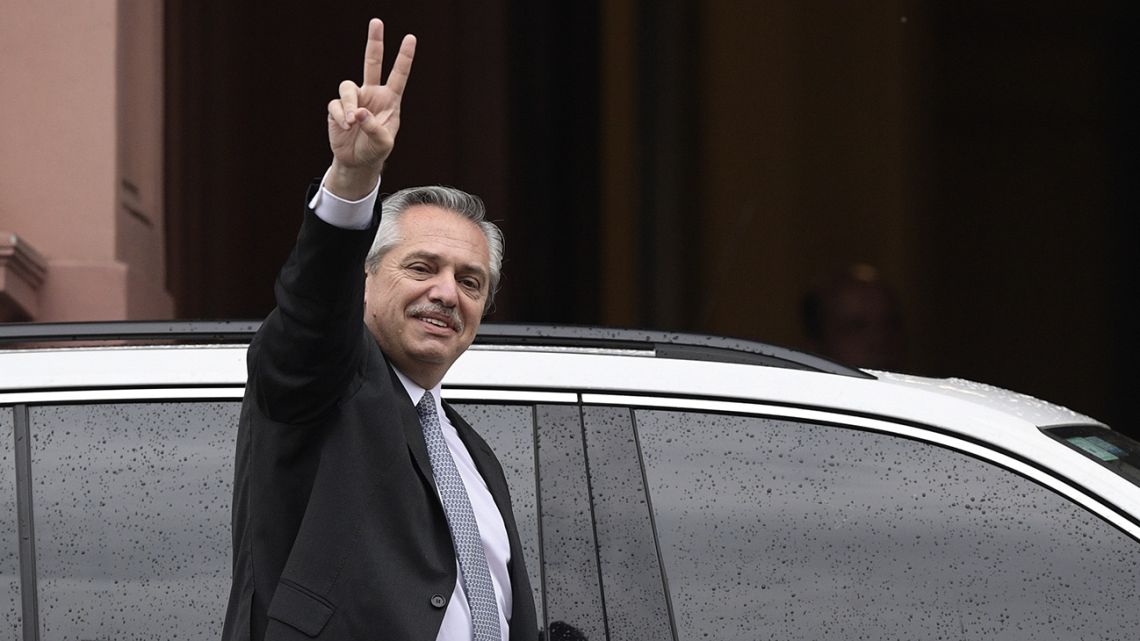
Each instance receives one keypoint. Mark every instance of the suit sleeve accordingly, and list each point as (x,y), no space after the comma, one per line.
(310,350)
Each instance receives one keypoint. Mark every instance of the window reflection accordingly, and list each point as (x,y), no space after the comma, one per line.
(132,507)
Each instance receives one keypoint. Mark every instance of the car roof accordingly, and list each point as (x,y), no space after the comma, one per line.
(591,366)
(74,355)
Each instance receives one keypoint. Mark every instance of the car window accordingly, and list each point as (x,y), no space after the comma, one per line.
(1112,450)
(781,529)
(132,509)
(9,541)
(632,585)
(573,583)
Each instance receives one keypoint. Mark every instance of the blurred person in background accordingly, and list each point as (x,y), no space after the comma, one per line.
(854,317)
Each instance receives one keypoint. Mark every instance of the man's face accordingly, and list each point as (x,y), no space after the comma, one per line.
(862,328)
(424,301)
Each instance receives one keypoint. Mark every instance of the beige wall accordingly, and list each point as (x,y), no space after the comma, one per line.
(80,156)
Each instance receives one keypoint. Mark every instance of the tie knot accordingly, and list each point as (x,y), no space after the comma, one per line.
(426,407)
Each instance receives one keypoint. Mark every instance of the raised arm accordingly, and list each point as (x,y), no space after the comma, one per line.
(309,348)
(364,120)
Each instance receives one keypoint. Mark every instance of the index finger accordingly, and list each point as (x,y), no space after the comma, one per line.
(374,52)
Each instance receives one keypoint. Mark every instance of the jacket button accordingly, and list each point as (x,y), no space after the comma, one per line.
(438,601)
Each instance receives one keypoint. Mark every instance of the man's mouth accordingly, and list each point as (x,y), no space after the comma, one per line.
(437,316)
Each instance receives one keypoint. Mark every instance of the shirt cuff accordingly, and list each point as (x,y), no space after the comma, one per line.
(347,214)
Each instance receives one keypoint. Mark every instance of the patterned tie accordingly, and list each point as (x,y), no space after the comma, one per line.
(474,573)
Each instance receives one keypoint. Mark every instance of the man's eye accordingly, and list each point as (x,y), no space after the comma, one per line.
(470,283)
(419,268)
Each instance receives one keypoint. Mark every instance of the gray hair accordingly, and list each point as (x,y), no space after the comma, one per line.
(459,202)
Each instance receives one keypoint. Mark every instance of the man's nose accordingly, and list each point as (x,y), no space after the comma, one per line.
(444,290)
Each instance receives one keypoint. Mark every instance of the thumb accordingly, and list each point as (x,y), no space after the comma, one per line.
(369,122)
(379,135)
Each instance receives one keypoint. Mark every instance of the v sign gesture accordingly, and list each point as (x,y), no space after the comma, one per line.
(363,122)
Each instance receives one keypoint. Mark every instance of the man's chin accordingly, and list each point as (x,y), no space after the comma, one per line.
(433,350)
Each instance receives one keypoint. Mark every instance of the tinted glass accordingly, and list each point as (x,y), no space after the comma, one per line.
(573,585)
(132,506)
(1113,450)
(774,529)
(632,585)
(9,542)
(509,430)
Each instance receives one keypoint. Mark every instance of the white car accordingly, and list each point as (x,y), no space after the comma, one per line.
(666,487)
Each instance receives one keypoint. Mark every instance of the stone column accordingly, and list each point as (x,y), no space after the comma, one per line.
(81,157)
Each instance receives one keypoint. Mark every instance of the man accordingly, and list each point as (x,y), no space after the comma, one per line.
(854,318)
(363,507)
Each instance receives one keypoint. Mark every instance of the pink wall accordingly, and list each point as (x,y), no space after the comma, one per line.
(75,123)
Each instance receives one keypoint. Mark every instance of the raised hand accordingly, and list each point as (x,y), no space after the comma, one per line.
(363,122)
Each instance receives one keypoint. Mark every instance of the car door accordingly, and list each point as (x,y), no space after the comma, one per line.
(794,523)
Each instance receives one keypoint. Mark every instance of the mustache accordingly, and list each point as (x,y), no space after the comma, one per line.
(439,311)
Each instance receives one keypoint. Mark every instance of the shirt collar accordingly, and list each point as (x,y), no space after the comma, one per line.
(415,392)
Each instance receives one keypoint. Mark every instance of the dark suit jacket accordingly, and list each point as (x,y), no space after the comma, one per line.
(338,532)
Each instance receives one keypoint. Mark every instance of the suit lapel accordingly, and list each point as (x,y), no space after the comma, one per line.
(480,452)
(413,431)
